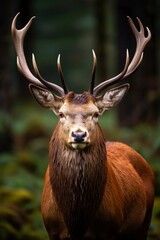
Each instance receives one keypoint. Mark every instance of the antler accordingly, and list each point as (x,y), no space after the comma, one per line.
(129,68)
(18,37)
(93,72)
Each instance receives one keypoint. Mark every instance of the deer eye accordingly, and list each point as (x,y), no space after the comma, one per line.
(96,115)
(61,115)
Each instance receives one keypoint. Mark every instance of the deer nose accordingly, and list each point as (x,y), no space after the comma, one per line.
(79,136)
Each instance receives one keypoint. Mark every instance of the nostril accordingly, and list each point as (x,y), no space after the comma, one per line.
(84,134)
(79,136)
(73,134)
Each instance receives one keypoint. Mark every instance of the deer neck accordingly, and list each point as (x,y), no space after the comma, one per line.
(78,179)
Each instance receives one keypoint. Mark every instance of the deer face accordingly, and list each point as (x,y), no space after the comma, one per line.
(78,119)
(78,113)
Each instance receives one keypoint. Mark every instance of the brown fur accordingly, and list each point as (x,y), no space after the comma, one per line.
(79,99)
(73,175)
(102,192)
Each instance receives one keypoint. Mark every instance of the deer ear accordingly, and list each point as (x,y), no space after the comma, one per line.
(112,97)
(45,98)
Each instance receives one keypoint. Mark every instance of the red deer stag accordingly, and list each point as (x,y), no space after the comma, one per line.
(93,189)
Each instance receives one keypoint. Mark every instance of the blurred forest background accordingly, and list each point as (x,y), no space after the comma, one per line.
(72,28)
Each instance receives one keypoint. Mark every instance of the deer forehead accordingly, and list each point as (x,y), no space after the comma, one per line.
(78,110)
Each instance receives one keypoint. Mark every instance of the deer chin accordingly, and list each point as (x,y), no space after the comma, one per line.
(79,146)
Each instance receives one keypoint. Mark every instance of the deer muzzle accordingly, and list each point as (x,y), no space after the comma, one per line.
(79,138)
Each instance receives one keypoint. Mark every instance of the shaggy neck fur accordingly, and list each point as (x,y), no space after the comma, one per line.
(78,179)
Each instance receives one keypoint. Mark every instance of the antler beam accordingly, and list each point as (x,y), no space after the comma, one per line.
(18,37)
(141,41)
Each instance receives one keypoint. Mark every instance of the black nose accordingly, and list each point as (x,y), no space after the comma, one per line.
(79,136)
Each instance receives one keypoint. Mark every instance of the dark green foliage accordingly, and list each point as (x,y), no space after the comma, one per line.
(22,171)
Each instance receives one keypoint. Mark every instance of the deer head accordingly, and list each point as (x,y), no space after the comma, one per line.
(78,113)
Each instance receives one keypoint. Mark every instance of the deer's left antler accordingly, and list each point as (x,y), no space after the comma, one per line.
(129,68)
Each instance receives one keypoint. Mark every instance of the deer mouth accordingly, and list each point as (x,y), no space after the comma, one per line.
(79,145)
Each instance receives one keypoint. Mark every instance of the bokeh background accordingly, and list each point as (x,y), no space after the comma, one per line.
(72,28)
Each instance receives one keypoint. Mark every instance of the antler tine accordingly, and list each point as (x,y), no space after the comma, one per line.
(113,80)
(93,72)
(61,75)
(48,84)
(18,38)
(141,41)
(36,67)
